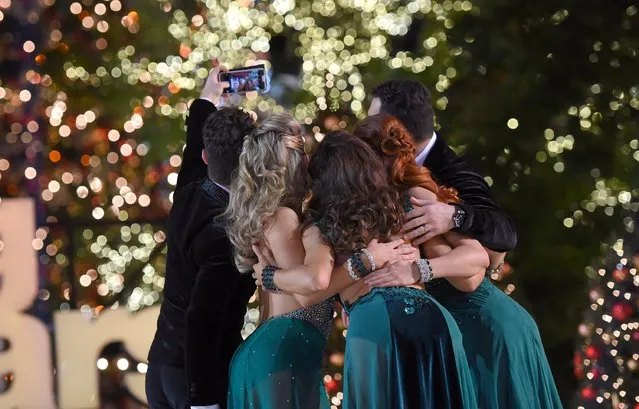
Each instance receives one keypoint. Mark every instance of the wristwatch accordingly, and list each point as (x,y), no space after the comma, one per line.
(459,216)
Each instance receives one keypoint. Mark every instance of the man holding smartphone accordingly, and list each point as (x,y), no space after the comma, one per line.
(205,297)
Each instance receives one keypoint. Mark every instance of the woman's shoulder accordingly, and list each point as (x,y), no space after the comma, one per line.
(284,221)
(286,213)
(314,235)
(285,217)
(421,193)
(314,228)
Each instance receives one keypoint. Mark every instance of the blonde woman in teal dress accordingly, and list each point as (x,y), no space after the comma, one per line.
(279,366)
(403,349)
(501,339)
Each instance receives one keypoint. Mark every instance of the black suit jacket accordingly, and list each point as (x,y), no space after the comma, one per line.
(484,220)
(205,296)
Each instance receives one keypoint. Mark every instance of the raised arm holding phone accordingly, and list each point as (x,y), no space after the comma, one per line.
(205,296)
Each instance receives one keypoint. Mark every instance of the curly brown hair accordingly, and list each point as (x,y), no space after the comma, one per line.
(390,139)
(351,197)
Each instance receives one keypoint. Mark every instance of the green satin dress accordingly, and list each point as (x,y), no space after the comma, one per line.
(503,347)
(404,351)
(279,366)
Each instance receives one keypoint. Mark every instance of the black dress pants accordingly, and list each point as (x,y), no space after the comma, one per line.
(166,387)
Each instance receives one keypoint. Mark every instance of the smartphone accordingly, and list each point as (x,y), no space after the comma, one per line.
(246,79)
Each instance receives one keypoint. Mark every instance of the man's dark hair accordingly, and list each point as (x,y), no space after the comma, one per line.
(223,134)
(410,102)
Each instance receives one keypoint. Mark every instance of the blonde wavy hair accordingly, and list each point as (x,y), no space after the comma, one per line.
(272,173)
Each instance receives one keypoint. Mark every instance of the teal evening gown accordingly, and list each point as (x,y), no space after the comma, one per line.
(404,351)
(503,347)
(279,366)
(502,344)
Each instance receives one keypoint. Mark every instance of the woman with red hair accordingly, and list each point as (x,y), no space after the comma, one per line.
(501,339)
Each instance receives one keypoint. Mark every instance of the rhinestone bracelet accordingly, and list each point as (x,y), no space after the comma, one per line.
(496,270)
(425,269)
(359,265)
(268,282)
(349,268)
(370,258)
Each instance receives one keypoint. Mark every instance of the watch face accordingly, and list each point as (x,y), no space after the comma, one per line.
(458,218)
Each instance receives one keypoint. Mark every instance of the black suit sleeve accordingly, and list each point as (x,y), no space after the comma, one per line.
(207,319)
(193,167)
(484,220)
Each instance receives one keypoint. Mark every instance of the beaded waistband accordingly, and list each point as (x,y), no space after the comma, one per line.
(387,292)
(319,315)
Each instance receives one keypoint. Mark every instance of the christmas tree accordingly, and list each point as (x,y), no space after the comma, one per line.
(541,97)
(606,361)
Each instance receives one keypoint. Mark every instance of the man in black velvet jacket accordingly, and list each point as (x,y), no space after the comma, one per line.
(478,215)
(205,297)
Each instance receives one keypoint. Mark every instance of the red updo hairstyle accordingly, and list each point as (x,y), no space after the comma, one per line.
(390,139)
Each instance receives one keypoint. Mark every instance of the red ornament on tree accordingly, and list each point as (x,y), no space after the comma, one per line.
(621,311)
(635,336)
(595,372)
(588,392)
(506,270)
(620,274)
(592,352)
(331,386)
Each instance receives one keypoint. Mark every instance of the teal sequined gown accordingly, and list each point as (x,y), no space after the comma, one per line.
(404,351)
(503,347)
(279,366)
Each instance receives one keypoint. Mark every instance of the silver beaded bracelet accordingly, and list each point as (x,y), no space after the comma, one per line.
(496,270)
(370,258)
(349,268)
(425,270)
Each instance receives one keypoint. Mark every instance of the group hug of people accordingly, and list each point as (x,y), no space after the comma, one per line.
(385,223)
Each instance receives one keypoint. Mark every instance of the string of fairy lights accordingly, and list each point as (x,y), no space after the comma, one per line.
(107,92)
(606,362)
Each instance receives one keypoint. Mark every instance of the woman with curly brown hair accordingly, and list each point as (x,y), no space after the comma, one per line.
(501,339)
(403,350)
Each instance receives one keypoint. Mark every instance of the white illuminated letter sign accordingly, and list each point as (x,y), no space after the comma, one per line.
(79,342)
(29,354)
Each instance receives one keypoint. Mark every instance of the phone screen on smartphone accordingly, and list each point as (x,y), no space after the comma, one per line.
(246,79)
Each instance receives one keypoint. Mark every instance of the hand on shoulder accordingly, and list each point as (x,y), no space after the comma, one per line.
(429,217)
